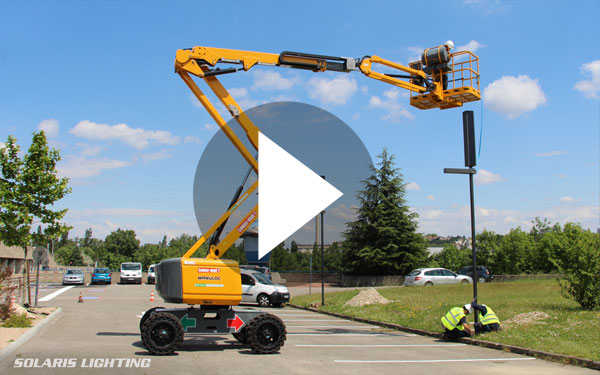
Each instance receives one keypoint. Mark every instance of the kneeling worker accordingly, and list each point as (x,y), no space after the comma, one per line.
(455,323)
(488,321)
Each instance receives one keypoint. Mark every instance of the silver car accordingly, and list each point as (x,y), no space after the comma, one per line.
(434,276)
(73,277)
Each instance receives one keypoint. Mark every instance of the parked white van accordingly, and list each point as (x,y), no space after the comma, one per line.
(256,287)
(131,272)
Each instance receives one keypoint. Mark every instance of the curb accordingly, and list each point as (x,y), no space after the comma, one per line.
(562,358)
(13,346)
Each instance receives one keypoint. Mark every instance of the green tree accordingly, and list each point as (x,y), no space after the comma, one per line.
(487,245)
(515,247)
(69,255)
(383,240)
(29,188)
(122,243)
(579,260)
(452,257)
(148,254)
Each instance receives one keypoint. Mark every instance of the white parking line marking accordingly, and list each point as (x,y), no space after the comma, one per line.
(52,295)
(433,360)
(349,334)
(373,345)
(316,320)
(346,326)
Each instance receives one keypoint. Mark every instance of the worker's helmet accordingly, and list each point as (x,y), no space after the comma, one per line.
(450,44)
(468,308)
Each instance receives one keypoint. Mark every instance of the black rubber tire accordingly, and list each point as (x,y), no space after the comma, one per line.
(147,315)
(242,336)
(429,283)
(162,333)
(482,279)
(263,300)
(465,281)
(266,334)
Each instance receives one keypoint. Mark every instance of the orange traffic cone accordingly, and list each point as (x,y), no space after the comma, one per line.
(13,299)
(80,298)
(152,296)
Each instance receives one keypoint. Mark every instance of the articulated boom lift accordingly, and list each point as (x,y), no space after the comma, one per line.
(440,80)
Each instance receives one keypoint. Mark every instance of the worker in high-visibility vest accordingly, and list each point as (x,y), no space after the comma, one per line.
(455,323)
(488,320)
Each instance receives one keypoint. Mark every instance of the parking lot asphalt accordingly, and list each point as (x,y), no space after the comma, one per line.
(103,331)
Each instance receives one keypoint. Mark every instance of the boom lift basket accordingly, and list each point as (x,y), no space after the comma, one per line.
(462,83)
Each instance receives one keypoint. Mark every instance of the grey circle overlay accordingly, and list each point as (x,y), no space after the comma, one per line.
(318,139)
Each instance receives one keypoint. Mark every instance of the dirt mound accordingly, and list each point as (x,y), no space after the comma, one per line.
(367,297)
(527,318)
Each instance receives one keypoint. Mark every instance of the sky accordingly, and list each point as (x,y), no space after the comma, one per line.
(98,78)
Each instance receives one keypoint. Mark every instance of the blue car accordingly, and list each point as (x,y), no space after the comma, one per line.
(101,275)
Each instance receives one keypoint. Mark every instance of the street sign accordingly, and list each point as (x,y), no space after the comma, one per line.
(40,255)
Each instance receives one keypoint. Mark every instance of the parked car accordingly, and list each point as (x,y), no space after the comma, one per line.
(434,276)
(151,274)
(101,275)
(264,270)
(73,276)
(256,287)
(131,272)
(483,274)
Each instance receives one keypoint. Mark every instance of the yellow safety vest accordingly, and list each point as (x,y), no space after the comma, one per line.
(452,319)
(488,318)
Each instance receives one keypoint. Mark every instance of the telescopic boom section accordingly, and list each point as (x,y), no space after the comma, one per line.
(440,80)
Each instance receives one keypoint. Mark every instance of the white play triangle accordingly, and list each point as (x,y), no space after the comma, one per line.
(289,195)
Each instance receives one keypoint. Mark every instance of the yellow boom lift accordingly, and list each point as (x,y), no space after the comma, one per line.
(439,80)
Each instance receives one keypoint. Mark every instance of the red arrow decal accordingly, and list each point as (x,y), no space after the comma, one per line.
(236,323)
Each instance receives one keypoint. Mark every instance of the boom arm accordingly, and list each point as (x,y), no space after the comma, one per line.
(427,80)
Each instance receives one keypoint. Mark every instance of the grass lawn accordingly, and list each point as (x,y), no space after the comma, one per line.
(568,329)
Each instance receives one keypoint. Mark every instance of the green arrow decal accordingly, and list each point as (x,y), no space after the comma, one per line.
(188,322)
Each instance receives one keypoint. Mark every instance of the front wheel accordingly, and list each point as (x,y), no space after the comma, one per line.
(162,333)
(482,279)
(263,300)
(266,334)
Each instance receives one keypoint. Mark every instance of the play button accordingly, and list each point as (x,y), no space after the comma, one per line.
(289,194)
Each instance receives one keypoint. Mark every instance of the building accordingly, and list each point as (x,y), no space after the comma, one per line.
(11,257)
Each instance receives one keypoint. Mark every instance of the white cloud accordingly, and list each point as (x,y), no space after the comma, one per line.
(391,104)
(561,176)
(192,139)
(487,6)
(85,149)
(332,91)
(456,220)
(550,153)
(412,186)
(50,127)
(484,177)
(165,153)
(238,91)
(431,197)
(211,126)
(414,53)
(567,199)
(591,87)
(79,167)
(270,80)
(513,96)
(472,46)
(135,137)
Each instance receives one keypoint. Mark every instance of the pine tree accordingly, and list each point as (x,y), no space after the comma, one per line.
(383,240)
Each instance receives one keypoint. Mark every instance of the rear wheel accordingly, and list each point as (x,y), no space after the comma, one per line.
(464,281)
(162,333)
(263,300)
(266,334)
(429,283)
(242,336)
